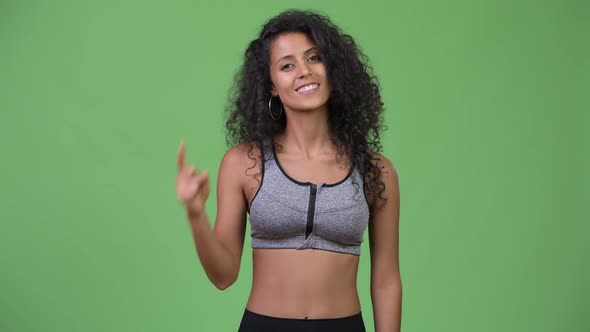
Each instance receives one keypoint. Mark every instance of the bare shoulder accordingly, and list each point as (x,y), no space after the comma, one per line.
(243,158)
(241,153)
(389,178)
(387,168)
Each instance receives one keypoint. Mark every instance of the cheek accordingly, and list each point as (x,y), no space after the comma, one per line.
(283,84)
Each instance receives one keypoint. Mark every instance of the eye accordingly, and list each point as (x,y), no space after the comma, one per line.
(314,58)
(287,66)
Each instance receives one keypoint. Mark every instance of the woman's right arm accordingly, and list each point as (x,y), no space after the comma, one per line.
(219,249)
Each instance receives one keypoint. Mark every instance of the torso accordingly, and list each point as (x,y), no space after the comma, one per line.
(308,283)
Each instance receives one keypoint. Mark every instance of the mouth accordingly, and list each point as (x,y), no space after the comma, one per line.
(308,88)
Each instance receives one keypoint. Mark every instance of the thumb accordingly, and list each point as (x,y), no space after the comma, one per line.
(204,180)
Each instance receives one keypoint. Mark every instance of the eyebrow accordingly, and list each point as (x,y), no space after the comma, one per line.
(290,56)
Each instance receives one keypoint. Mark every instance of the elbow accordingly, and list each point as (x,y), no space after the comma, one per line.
(393,291)
(394,284)
(223,284)
(223,276)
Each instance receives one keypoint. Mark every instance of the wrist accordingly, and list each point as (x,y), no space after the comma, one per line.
(195,218)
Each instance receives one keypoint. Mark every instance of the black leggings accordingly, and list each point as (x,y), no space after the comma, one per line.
(253,322)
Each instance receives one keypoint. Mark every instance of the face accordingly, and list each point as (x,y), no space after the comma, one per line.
(298,73)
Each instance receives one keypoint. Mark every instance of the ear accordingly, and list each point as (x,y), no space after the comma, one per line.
(273,91)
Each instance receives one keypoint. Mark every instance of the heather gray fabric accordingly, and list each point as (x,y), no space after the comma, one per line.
(284,211)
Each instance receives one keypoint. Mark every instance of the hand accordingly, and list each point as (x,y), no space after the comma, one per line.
(192,187)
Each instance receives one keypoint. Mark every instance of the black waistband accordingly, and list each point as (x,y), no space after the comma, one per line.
(246,311)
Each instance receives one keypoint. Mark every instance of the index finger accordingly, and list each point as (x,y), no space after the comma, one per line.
(180,156)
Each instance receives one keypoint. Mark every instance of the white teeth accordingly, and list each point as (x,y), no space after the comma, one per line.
(308,87)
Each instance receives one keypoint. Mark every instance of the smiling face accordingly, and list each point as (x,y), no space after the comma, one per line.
(298,73)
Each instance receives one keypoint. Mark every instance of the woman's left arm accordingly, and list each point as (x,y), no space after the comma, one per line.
(386,286)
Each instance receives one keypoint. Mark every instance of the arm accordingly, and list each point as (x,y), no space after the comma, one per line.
(386,287)
(220,250)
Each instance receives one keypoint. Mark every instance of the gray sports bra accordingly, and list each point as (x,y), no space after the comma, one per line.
(286,213)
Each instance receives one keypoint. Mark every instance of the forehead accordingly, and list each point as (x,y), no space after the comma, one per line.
(292,43)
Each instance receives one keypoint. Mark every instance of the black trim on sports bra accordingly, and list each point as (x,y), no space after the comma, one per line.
(274,153)
(261,148)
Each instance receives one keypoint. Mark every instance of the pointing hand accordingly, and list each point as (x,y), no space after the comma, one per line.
(192,186)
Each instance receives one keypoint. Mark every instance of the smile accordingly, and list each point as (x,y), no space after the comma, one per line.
(308,89)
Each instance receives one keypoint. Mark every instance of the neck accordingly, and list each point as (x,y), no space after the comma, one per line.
(306,133)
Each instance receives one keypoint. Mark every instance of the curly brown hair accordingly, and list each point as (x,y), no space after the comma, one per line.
(355,92)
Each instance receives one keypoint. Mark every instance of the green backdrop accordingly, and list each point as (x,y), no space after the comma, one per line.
(487,114)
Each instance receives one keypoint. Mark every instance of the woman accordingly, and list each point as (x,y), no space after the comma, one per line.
(306,122)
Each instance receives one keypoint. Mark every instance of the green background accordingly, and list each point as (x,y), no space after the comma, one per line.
(487,114)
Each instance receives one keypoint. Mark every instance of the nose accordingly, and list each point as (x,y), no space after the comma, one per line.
(304,70)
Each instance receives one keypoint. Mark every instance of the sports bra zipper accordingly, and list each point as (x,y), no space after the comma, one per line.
(310,210)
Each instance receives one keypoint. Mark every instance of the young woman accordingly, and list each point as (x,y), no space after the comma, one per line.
(305,122)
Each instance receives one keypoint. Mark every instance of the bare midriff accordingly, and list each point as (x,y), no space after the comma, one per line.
(304,284)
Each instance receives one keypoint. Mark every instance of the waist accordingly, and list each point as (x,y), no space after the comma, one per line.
(253,322)
(309,283)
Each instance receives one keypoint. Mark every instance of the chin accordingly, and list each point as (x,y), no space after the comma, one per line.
(309,106)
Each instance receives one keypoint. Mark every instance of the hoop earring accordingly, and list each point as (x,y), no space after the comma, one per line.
(270,109)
